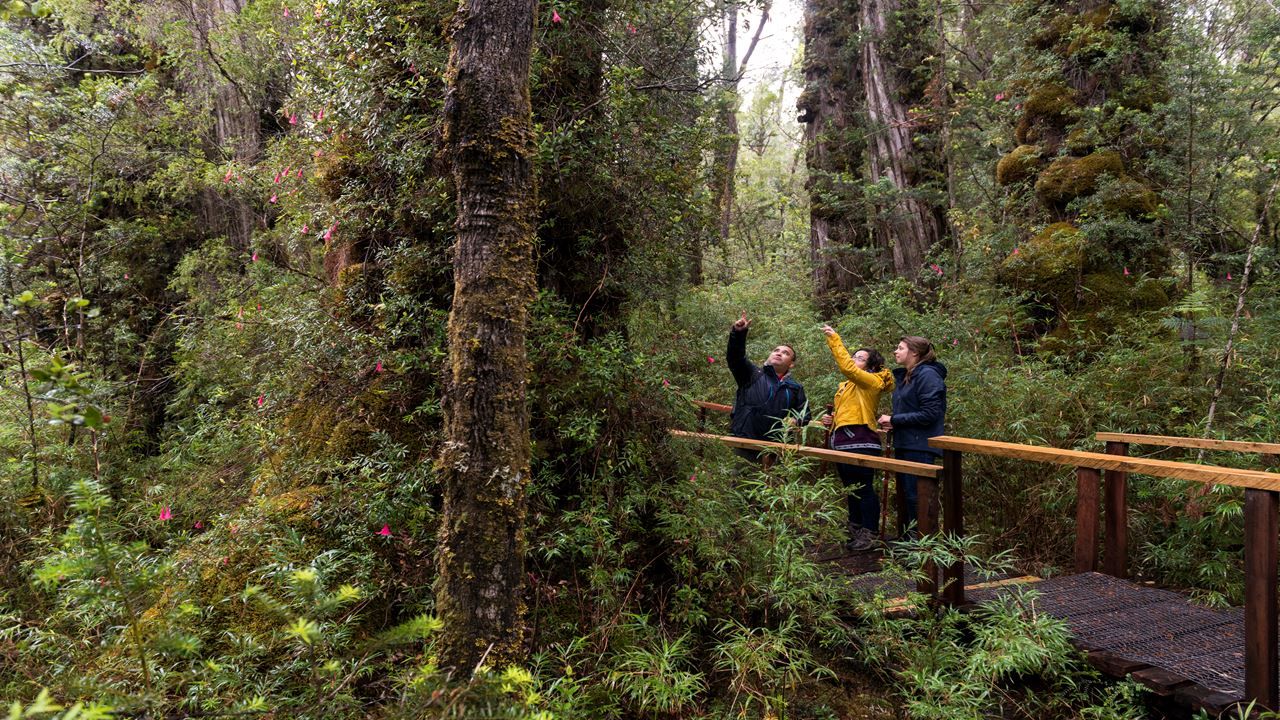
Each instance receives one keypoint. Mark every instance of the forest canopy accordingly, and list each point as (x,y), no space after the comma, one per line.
(287,285)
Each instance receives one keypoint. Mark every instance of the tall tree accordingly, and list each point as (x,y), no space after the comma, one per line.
(894,47)
(840,248)
(485,462)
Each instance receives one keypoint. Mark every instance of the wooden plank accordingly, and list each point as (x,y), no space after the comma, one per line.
(1202,698)
(1113,664)
(1086,554)
(953,525)
(1115,556)
(1101,461)
(1160,681)
(835,456)
(1261,663)
(1244,446)
(927,524)
(717,407)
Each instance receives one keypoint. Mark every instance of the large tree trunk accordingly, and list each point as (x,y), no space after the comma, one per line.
(840,249)
(237,134)
(485,463)
(906,224)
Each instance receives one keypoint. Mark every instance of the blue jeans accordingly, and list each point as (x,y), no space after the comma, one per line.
(908,482)
(864,504)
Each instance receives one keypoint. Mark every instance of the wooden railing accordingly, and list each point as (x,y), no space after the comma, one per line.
(1262,523)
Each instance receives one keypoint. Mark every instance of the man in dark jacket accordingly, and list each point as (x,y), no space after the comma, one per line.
(767,396)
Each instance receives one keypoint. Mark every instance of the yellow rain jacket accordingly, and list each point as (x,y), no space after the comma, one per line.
(857,398)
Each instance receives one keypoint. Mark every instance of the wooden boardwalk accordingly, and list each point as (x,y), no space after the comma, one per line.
(1158,638)
(1208,659)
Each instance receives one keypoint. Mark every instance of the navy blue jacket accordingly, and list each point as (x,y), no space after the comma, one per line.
(762,400)
(919,406)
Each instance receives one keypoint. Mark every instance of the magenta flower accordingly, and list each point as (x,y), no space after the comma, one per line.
(254,257)
(666,382)
(631,28)
(299,172)
(555,16)
(273,198)
(1015,251)
(199,525)
(277,180)
(1126,271)
(261,399)
(286,11)
(304,228)
(329,233)
(293,119)
(378,367)
(935,268)
(166,513)
(227,178)
(999,97)
(956,341)
(1228,276)
(385,531)
(710,359)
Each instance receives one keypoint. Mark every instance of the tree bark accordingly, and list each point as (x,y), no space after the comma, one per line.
(840,249)
(485,462)
(906,225)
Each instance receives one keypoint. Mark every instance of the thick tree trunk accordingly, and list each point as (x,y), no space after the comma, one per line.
(237,135)
(485,463)
(906,225)
(840,249)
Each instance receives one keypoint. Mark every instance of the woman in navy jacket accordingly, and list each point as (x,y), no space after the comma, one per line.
(919,404)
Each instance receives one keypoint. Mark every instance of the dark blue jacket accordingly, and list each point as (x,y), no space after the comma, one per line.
(762,400)
(919,406)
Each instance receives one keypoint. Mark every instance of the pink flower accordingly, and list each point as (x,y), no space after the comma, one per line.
(166,513)
(126,276)
(299,172)
(304,228)
(227,178)
(234,529)
(285,174)
(293,119)
(555,16)
(240,313)
(273,198)
(1228,276)
(254,257)
(277,180)
(1015,251)
(239,326)
(935,268)
(199,525)
(1126,271)
(261,399)
(693,478)
(318,153)
(286,11)
(710,359)
(320,115)
(631,28)
(1018,106)
(956,341)
(329,233)
(378,367)
(385,531)
(999,97)
(666,382)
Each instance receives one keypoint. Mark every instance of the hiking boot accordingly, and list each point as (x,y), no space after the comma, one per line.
(860,540)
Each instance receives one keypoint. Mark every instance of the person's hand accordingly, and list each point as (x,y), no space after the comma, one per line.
(828,330)
(886,422)
(742,323)
(826,420)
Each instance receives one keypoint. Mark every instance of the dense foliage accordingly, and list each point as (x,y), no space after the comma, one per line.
(225,267)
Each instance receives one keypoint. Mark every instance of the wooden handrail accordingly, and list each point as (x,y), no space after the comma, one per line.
(718,407)
(1255,479)
(1198,443)
(835,456)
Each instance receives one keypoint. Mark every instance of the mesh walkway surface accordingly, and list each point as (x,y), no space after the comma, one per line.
(1198,651)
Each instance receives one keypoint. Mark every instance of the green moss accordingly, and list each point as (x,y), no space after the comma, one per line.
(1079,141)
(1053,33)
(1019,164)
(1068,178)
(1130,197)
(1048,263)
(1049,101)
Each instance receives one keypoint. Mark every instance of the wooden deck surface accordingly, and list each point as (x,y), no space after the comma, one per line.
(1159,638)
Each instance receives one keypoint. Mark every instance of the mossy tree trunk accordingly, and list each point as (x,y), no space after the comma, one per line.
(485,462)
(841,250)
(908,224)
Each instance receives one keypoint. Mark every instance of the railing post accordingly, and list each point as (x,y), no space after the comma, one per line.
(1260,632)
(1086,519)
(927,524)
(1115,559)
(702,419)
(953,521)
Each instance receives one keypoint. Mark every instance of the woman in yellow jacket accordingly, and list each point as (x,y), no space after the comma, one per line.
(854,430)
